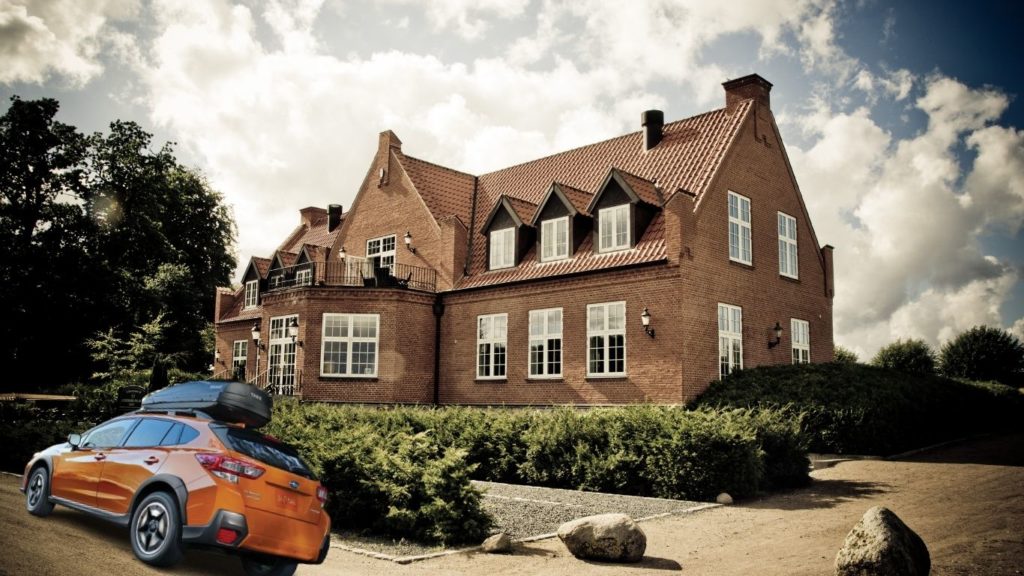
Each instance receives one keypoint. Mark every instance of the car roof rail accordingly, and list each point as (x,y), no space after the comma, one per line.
(180,412)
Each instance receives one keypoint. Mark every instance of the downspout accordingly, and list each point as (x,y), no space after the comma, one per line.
(438,313)
(472,229)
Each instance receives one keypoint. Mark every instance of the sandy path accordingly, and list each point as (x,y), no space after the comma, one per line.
(966,501)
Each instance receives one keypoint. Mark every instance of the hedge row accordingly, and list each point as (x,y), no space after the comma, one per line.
(859,409)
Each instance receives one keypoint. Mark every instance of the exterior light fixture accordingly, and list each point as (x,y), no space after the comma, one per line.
(341,253)
(293,331)
(645,319)
(256,334)
(408,242)
(777,331)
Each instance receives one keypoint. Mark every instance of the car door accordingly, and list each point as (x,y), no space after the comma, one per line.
(136,460)
(76,473)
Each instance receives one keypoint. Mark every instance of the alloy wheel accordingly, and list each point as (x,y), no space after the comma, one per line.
(36,489)
(151,528)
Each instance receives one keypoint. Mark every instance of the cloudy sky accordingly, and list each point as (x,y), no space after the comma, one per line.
(901,118)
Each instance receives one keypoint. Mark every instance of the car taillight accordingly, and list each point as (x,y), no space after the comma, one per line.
(229,468)
(321,495)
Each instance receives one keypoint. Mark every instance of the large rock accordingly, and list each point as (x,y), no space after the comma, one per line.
(607,537)
(882,545)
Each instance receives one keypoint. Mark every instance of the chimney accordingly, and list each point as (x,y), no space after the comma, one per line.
(751,87)
(310,215)
(652,121)
(333,216)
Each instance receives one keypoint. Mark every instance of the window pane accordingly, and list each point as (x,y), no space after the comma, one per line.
(554,322)
(596,354)
(499,327)
(149,432)
(364,355)
(616,316)
(617,353)
(484,360)
(596,315)
(499,359)
(536,323)
(536,358)
(108,435)
(484,328)
(555,356)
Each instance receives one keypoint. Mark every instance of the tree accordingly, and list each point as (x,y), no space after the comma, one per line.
(984,353)
(101,234)
(845,356)
(48,290)
(906,356)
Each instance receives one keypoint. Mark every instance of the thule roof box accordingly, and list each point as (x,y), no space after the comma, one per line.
(235,402)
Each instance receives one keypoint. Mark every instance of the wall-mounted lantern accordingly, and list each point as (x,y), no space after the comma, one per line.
(777,332)
(408,242)
(645,319)
(293,331)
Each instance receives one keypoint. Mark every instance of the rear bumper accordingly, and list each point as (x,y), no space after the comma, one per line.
(265,533)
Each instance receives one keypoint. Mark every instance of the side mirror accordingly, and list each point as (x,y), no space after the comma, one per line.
(75,440)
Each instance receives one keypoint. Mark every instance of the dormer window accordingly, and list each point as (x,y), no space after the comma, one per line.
(304,277)
(252,293)
(503,248)
(554,239)
(614,228)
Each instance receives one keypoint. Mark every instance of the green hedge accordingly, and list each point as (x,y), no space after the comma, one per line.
(858,409)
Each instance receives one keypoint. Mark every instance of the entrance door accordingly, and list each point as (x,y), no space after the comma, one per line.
(281,368)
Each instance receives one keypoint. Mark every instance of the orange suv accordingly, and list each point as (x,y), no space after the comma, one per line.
(181,477)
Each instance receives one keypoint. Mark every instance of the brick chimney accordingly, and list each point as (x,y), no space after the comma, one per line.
(333,216)
(653,121)
(311,215)
(747,88)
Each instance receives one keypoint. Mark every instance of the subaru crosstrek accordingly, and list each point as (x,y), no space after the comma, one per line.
(176,479)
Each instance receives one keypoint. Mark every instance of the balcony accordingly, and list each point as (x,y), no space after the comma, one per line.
(355,274)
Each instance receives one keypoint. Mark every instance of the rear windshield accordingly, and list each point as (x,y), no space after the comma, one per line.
(266,450)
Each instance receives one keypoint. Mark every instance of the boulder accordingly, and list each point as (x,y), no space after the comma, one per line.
(500,543)
(882,545)
(724,498)
(606,537)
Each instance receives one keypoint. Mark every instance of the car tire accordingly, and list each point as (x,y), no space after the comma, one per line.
(37,492)
(263,565)
(156,530)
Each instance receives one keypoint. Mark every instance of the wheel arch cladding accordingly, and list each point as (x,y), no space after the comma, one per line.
(165,483)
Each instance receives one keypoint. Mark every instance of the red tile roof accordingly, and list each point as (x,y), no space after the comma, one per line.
(446,192)
(262,265)
(236,313)
(645,189)
(316,234)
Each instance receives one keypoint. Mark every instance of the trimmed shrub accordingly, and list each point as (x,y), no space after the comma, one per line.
(984,353)
(858,409)
(911,355)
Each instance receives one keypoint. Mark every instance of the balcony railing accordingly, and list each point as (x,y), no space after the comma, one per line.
(361,274)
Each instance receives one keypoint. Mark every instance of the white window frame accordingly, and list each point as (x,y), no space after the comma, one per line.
(493,338)
(275,280)
(239,353)
(740,237)
(610,237)
(252,293)
(730,339)
(543,334)
(503,248)
(378,247)
(552,246)
(304,277)
(350,339)
(788,263)
(605,332)
(800,336)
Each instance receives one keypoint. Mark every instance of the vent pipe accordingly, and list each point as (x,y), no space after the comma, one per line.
(652,121)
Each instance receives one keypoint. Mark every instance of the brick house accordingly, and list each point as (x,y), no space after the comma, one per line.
(637,269)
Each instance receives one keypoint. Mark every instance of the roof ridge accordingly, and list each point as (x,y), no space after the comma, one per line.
(600,142)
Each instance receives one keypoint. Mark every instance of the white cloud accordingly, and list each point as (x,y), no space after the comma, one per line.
(905,220)
(467,17)
(64,37)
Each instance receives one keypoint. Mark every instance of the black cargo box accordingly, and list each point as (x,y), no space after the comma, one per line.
(235,402)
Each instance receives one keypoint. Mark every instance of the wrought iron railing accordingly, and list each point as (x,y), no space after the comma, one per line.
(360,274)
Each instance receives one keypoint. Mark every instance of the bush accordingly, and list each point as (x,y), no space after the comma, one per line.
(911,355)
(984,353)
(844,355)
(858,409)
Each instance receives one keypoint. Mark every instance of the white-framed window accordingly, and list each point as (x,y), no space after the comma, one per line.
(503,248)
(491,341)
(730,339)
(613,233)
(546,343)
(252,293)
(239,356)
(554,239)
(800,335)
(787,246)
(304,277)
(349,345)
(383,249)
(739,229)
(606,339)
(276,280)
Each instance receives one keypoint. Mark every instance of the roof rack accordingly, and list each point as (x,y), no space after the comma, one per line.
(181,412)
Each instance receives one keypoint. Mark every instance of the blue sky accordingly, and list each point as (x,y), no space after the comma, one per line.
(902,119)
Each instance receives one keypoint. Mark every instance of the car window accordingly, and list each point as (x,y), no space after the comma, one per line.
(108,435)
(179,434)
(265,449)
(149,432)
